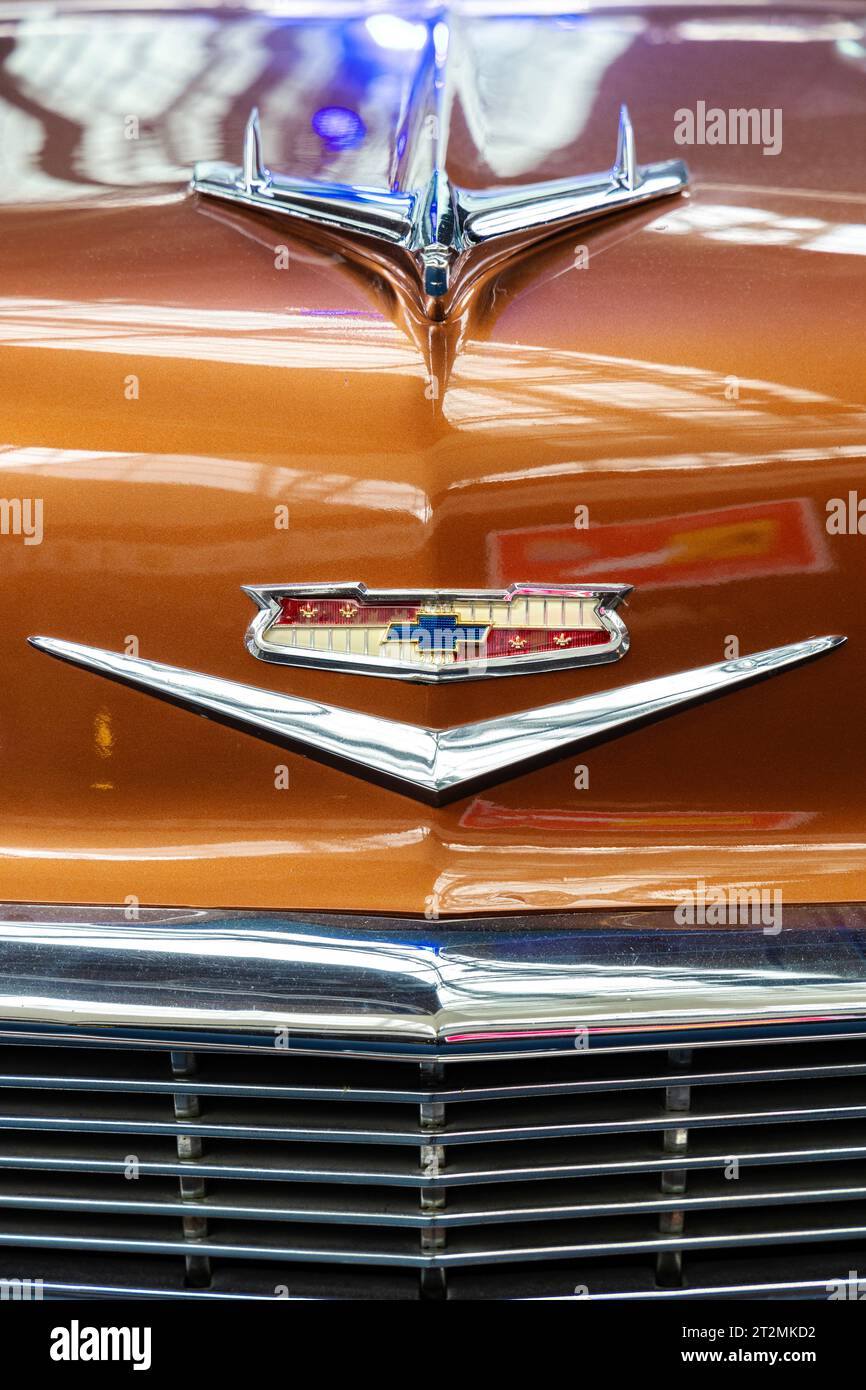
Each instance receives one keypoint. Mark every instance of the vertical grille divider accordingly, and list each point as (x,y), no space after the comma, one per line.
(678,1099)
(192,1187)
(432,1199)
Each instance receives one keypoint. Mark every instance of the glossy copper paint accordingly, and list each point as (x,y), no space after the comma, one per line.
(699,387)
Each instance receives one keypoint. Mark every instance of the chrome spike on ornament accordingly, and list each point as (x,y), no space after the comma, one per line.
(255,175)
(625,166)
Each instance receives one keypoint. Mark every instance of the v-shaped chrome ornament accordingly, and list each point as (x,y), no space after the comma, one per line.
(433,765)
(443,235)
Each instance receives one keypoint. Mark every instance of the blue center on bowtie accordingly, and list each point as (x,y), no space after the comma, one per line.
(436,632)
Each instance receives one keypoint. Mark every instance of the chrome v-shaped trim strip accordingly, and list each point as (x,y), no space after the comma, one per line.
(433,765)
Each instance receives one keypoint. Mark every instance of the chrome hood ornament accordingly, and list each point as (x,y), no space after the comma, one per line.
(432,765)
(443,236)
(437,634)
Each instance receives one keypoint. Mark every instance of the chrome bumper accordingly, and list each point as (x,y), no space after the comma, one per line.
(461,988)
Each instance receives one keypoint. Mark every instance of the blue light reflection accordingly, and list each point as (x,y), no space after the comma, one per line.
(338,127)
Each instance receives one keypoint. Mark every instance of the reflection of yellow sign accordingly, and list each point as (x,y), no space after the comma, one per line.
(710,547)
(742,540)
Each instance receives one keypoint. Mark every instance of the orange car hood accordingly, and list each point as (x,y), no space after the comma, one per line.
(202,398)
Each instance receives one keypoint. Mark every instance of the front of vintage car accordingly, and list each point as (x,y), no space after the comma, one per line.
(433,852)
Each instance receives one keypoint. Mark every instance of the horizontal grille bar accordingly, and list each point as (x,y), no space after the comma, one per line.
(563,1240)
(284,1077)
(724,1108)
(509,1203)
(717,1275)
(399,1166)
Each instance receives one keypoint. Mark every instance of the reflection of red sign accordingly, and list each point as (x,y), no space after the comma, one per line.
(489,815)
(765,538)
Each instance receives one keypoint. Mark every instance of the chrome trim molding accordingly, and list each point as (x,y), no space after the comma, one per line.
(434,228)
(432,765)
(391,987)
(604,597)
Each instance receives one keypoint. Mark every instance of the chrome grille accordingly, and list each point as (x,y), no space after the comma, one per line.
(244,1173)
